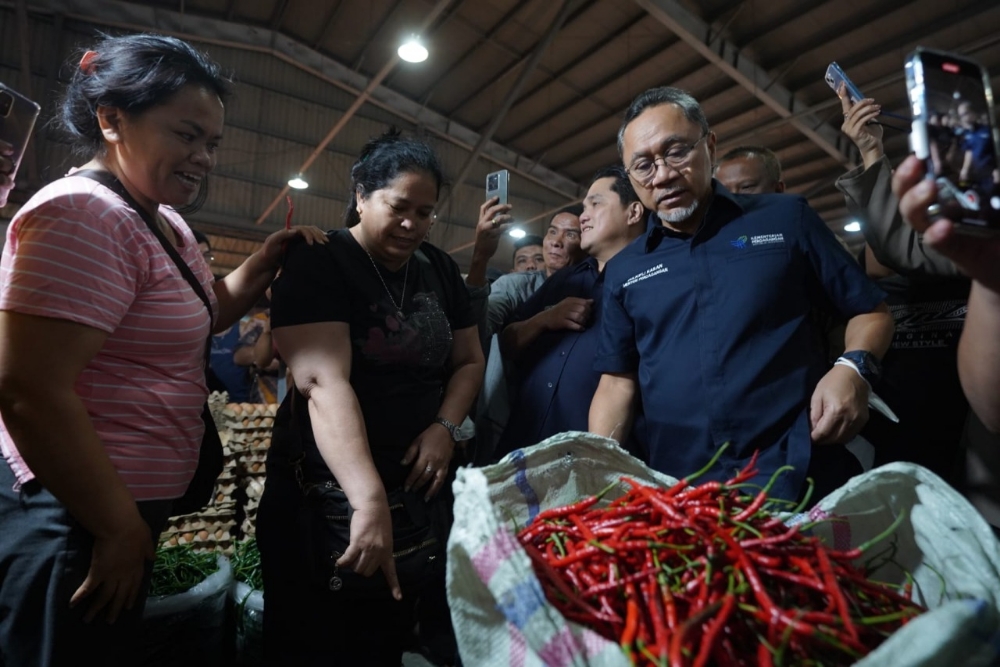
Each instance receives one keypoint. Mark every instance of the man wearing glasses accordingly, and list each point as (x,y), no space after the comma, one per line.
(705,318)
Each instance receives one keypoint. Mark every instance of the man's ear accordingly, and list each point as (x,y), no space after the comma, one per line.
(110,121)
(779,186)
(636,213)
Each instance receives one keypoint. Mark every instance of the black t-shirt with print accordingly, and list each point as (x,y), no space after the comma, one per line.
(920,377)
(399,367)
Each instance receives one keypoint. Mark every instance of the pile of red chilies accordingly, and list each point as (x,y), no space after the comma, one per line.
(705,575)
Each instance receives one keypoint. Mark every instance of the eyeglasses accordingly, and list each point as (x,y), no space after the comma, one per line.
(677,156)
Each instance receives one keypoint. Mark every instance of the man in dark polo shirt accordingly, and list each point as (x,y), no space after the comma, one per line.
(551,341)
(705,317)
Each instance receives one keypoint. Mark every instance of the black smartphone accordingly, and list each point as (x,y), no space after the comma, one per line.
(496,185)
(836,76)
(954,131)
(17,119)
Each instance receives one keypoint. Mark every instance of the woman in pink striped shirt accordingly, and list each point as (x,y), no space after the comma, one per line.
(102,345)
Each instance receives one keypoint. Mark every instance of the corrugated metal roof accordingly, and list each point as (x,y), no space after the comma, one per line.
(299,66)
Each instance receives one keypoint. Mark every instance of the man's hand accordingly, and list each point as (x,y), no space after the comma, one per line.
(976,256)
(117,566)
(860,127)
(571,313)
(493,220)
(839,407)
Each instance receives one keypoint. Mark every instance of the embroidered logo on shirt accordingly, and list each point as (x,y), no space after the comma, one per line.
(648,273)
(767,239)
(744,242)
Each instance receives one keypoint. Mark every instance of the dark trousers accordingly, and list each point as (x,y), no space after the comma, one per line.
(44,557)
(306,624)
(830,466)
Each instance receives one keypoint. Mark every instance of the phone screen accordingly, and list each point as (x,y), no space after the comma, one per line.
(961,143)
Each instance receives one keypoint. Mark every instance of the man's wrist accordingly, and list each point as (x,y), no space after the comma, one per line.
(864,363)
(846,363)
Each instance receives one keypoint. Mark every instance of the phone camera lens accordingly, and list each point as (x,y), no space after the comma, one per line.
(6,104)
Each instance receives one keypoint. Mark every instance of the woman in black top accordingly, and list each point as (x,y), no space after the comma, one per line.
(377,331)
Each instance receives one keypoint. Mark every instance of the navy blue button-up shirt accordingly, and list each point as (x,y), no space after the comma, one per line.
(553,380)
(716,327)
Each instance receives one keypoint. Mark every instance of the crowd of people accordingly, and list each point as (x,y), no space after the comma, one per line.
(689,302)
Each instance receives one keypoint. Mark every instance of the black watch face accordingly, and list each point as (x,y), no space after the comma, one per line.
(869,364)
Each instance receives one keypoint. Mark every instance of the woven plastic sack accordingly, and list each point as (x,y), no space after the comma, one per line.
(248,610)
(188,628)
(501,616)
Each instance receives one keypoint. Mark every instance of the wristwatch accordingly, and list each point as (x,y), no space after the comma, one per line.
(865,363)
(452,429)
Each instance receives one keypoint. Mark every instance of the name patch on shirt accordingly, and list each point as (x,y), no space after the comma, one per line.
(757,240)
(648,273)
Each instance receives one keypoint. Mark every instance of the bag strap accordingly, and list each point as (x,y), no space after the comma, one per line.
(111,182)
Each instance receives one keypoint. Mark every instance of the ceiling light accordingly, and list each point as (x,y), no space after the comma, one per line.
(412,51)
(298,182)
(517,233)
(852,226)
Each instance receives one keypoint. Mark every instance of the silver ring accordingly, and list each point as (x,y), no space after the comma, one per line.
(429,469)
(496,223)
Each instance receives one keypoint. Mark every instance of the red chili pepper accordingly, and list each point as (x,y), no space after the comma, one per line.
(562,512)
(833,589)
(631,626)
(703,589)
(652,600)
(771,539)
(708,641)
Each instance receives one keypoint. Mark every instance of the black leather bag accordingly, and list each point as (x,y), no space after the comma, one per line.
(417,541)
(202,487)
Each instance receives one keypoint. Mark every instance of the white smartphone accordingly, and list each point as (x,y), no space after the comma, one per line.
(17,119)
(955,132)
(496,185)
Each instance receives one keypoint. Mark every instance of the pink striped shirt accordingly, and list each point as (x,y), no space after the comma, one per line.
(76,251)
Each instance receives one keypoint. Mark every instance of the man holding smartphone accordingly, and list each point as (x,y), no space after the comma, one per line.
(705,319)
(495,304)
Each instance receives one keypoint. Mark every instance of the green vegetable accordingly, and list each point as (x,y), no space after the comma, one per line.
(177,569)
(246,564)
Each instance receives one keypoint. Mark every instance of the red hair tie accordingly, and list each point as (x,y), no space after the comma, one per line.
(87,62)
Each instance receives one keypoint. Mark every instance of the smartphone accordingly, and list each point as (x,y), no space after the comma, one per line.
(836,76)
(955,132)
(17,119)
(496,185)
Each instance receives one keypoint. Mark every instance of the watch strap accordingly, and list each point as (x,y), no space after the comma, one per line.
(452,429)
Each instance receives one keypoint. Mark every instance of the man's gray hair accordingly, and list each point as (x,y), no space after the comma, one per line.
(655,97)
(772,165)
